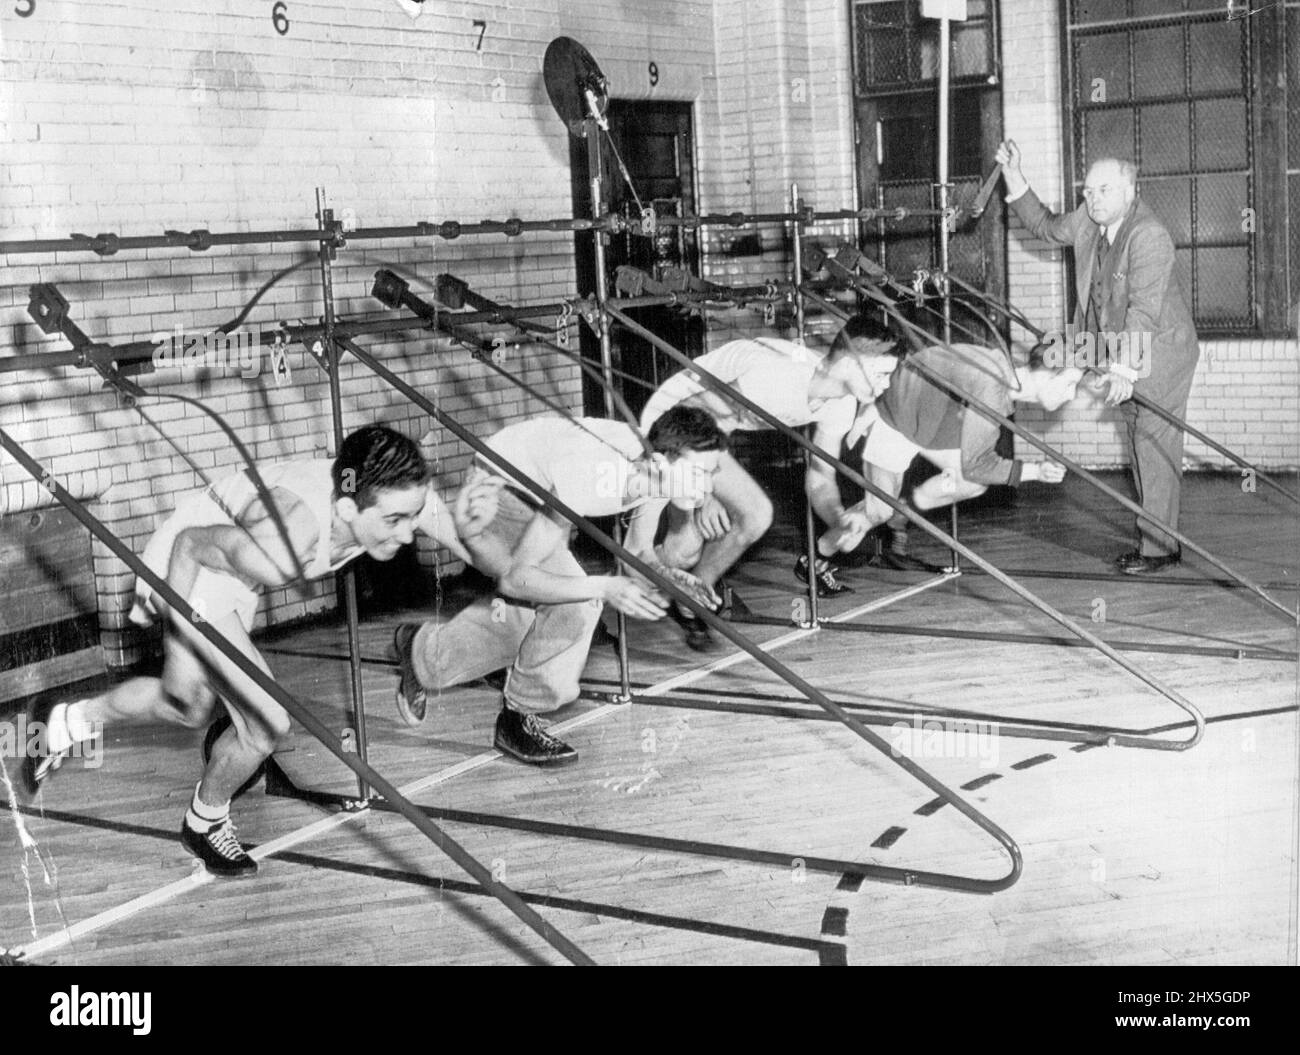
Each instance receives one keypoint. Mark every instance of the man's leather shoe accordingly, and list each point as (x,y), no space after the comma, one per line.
(1125,559)
(1145,565)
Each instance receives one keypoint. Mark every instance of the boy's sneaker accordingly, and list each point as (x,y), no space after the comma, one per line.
(412,703)
(219,850)
(698,638)
(827,584)
(523,737)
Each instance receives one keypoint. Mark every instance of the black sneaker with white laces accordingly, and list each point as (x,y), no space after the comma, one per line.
(698,638)
(219,850)
(523,737)
(827,584)
(412,703)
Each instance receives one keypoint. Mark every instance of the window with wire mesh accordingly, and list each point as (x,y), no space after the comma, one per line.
(1292,46)
(1169,84)
(894,47)
(896,69)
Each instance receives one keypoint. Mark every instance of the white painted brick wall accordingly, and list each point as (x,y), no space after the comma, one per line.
(137,116)
(133,116)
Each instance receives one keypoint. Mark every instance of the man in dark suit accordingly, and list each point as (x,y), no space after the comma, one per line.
(1127,284)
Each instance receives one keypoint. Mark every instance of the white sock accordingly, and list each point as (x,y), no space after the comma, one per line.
(67,725)
(202,817)
(57,736)
(79,727)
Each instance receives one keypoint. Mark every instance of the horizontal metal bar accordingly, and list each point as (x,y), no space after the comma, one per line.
(791,708)
(200,240)
(1064,732)
(689,847)
(1143,583)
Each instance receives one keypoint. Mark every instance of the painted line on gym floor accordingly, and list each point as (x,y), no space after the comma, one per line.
(1029,763)
(199,878)
(835,922)
(852,881)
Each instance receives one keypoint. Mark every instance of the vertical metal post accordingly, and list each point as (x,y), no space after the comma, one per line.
(882,228)
(810,527)
(332,352)
(943,202)
(596,173)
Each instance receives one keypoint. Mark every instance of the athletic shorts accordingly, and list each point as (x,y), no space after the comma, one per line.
(888,449)
(215,594)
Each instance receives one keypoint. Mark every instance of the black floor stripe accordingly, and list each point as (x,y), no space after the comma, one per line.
(888,837)
(834,955)
(931,807)
(835,921)
(1029,763)
(979,782)
(1080,748)
(851,881)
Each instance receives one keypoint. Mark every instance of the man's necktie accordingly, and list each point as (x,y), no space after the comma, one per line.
(1093,322)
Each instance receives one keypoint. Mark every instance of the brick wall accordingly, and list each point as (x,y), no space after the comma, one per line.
(1246,392)
(133,116)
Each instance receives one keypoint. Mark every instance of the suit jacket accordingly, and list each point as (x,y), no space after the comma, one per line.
(1140,287)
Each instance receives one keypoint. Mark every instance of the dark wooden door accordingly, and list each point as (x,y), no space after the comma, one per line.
(656,141)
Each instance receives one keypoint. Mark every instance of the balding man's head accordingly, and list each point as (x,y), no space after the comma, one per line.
(1109,189)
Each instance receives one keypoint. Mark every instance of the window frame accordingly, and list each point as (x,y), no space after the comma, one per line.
(1271,289)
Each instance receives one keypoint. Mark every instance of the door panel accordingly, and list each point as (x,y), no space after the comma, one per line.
(656,142)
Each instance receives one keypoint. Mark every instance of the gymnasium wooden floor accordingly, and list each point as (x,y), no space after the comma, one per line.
(1130,856)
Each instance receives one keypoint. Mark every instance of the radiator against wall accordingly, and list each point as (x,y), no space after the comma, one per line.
(49,625)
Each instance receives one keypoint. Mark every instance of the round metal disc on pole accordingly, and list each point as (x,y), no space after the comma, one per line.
(574,84)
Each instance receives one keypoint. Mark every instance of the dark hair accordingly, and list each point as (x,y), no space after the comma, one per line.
(375,458)
(1037,358)
(685,429)
(861,328)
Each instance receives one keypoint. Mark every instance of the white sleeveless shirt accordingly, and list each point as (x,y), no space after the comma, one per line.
(217,593)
